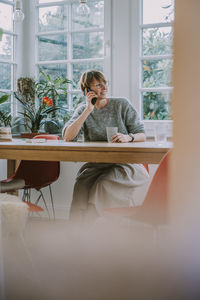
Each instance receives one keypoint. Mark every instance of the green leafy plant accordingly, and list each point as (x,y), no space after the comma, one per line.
(5,117)
(4,98)
(52,88)
(33,118)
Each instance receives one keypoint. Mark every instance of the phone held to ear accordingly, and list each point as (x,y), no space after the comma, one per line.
(93,99)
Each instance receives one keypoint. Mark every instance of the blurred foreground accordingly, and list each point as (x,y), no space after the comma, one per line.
(108,259)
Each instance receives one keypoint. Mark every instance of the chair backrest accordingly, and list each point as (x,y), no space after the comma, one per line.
(47,136)
(154,209)
(155,205)
(38,174)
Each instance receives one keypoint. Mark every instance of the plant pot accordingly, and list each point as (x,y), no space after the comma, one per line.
(5,134)
(30,135)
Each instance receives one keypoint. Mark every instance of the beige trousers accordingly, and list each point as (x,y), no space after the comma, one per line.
(105,185)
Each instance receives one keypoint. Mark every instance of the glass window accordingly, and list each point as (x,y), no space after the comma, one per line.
(6,12)
(47,1)
(157,41)
(52,47)
(87,45)
(156,58)
(68,43)
(6,46)
(156,105)
(156,73)
(7,41)
(5,78)
(158,11)
(95,18)
(52,18)
(54,70)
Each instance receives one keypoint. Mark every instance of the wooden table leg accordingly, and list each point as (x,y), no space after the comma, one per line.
(11,167)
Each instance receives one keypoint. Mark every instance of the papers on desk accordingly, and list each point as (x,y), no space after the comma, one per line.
(35,141)
(40,141)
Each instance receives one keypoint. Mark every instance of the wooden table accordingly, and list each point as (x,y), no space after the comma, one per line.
(145,152)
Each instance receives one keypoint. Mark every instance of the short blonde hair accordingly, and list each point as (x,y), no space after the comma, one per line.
(88,76)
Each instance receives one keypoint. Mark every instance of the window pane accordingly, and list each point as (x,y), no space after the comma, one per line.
(48,1)
(77,99)
(156,11)
(6,12)
(157,41)
(79,68)
(95,18)
(88,44)
(52,18)
(6,47)
(52,47)
(156,73)
(5,78)
(156,106)
(54,70)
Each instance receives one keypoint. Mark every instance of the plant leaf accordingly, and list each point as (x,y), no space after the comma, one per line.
(4,98)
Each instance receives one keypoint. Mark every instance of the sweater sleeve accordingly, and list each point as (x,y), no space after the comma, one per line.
(75,116)
(133,123)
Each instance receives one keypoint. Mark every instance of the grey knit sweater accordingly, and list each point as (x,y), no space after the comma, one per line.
(117,113)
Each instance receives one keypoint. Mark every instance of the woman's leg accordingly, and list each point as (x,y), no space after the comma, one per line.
(85,180)
(115,186)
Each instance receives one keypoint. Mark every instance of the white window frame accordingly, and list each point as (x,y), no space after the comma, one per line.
(107,43)
(13,61)
(136,65)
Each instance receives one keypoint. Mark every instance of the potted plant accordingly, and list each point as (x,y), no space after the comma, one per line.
(33,118)
(5,122)
(53,88)
(5,117)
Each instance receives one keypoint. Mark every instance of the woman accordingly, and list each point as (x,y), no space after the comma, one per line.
(103,185)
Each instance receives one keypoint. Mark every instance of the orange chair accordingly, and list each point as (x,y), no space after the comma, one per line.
(49,172)
(37,175)
(154,209)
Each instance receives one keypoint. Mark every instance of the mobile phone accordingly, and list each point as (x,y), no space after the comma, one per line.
(93,99)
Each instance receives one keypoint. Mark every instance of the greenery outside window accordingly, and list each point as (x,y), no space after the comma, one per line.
(156,58)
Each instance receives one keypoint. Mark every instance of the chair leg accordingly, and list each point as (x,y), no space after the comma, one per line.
(44,202)
(36,202)
(52,201)
(27,195)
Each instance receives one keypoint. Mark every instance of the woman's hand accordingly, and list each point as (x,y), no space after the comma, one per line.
(89,96)
(121,138)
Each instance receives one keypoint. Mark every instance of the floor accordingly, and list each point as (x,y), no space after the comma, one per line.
(104,260)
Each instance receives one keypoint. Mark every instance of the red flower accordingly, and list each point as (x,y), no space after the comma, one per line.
(47,101)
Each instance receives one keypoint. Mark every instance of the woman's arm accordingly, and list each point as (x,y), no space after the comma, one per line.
(126,138)
(73,129)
